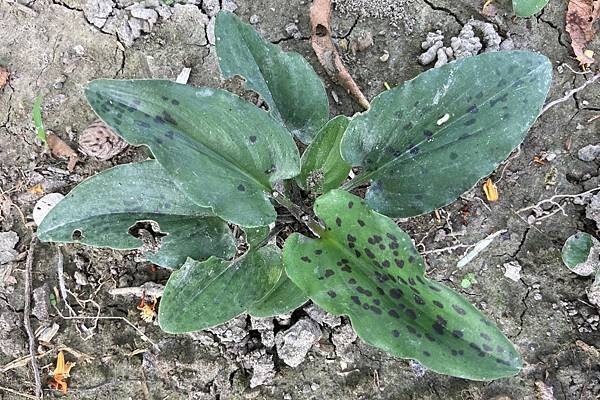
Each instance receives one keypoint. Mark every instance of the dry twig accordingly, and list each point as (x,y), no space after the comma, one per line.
(26,319)
(12,391)
(554,201)
(322,44)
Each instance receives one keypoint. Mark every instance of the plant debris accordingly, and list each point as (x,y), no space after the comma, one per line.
(322,44)
(4,75)
(61,373)
(98,140)
(62,150)
(490,190)
(147,310)
(581,15)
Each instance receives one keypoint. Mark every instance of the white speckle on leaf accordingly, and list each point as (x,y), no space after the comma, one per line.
(443,120)
(204,92)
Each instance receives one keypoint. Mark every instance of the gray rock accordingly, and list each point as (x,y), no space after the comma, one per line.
(322,317)
(589,152)
(211,7)
(254,19)
(265,327)
(294,344)
(41,303)
(292,31)
(233,331)
(229,5)
(592,210)
(263,368)
(8,241)
(97,11)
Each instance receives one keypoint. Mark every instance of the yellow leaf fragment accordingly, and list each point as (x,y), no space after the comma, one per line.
(61,372)
(490,190)
(37,189)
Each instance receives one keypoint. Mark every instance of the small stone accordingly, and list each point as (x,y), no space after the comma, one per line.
(266,328)
(8,241)
(512,270)
(385,56)
(41,303)
(294,343)
(361,42)
(417,368)
(97,11)
(537,296)
(210,7)
(254,19)
(589,152)
(263,368)
(44,205)
(229,5)
(292,31)
(322,317)
(80,278)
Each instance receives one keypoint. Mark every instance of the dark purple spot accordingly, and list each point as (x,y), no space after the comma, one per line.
(351,238)
(457,334)
(426,353)
(395,333)
(419,300)
(241,188)
(352,281)
(470,122)
(396,293)
(376,310)
(438,328)
(305,259)
(360,222)
(473,109)
(252,139)
(410,313)
(355,299)
(385,263)
(369,253)
(399,263)
(380,291)
(357,253)
(487,348)
(350,204)
(394,313)
(365,306)
(318,251)
(458,309)
(346,268)
(175,102)
(485,336)
(332,294)
(328,273)
(438,304)
(338,221)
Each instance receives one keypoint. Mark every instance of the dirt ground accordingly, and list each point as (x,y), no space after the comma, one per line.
(52,48)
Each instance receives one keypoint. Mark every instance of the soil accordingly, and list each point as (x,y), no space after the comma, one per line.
(52,50)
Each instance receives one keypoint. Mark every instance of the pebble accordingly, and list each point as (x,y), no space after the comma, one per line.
(254,19)
(385,56)
(589,152)
(293,344)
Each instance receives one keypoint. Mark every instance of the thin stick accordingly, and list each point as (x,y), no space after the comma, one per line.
(139,291)
(9,390)
(61,279)
(322,44)
(570,93)
(27,314)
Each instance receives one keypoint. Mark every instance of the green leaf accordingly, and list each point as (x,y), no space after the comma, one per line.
(426,142)
(37,120)
(101,210)
(201,295)
(580,254)
(255,237)
(365,267)
(323,167)
(526,8)
(222,151)
(286,81)
(284,297)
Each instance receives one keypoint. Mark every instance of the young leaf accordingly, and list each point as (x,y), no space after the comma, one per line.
(286,81)
(201,295)
(365,267)
(257,236)
(284,297)
(580,254)
(101,210)
(37,120)
(526,8)
(222,151)
(323,168)
(426,142)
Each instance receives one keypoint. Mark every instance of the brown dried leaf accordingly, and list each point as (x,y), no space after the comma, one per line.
(62,150)
(101,142)
(322,44)
(581,15)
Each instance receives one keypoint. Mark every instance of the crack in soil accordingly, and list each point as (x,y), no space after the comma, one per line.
(445,10)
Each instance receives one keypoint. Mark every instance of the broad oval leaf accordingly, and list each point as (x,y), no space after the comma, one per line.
(223,152)
(323,167)
(284,297)
(581,254)
(526,8)
(365,267)
(101,210)
(201,295)
(429,140)
(286,81)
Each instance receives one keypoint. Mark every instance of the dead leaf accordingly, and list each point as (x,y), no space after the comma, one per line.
(490,190)
(99,141)
(61,373)
(4,75)
(586,348)
(62,150)
(543,391)
(322,44)
(37,189)
(581,15)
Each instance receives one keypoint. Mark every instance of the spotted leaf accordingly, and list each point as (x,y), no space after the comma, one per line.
(365,267)
(424,143)
(223,152)
(286,81)
(204,294)
(581,254)
(102,210)
(323,168)
(526,8)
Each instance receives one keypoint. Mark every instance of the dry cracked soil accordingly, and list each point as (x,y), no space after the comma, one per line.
(53,47)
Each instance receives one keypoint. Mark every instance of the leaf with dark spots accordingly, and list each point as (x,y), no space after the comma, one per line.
(285,80)
(203,143)
(323,167)
(104,207)
(204,294)
(285,297)
(396,309)
(471,119)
